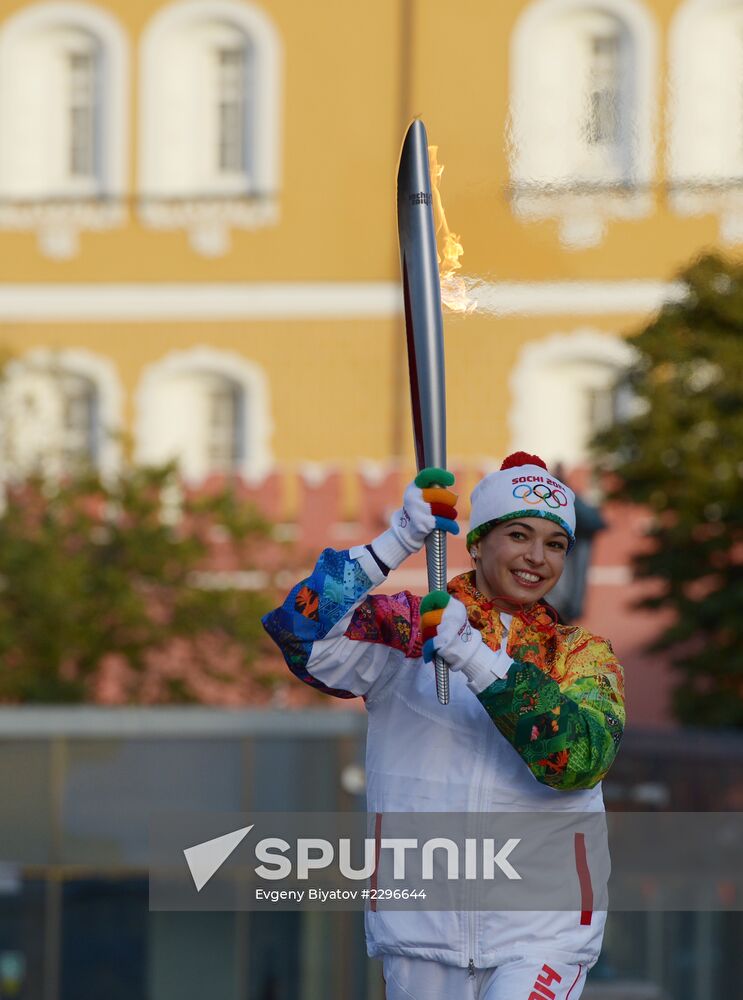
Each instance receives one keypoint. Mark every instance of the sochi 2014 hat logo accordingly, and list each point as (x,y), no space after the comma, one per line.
(538,490)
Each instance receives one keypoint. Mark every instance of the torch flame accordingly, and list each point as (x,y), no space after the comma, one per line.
(453,287)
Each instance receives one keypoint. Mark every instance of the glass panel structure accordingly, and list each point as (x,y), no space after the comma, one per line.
(74,918)
(231,110)
(82,78)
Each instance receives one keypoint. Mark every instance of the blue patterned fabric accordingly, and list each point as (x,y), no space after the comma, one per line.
(312,608)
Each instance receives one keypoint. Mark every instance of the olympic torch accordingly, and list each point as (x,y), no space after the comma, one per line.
(424,327)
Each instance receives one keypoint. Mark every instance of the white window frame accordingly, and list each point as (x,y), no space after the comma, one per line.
(694,191)
(241,99)
(91,105)
(600,64)
(583,214)
(208,220)
(86,203)
(233,395)
(109,396)
(583,344)
(257,425)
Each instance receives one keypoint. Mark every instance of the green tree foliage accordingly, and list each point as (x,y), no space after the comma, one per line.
(681,455)
(91,570)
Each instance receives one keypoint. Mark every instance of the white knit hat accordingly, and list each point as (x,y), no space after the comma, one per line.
(522,487)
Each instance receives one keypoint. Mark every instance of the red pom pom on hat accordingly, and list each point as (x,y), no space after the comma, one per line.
(522,458)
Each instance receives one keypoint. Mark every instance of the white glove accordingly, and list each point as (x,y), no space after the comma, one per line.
(411,525)
(461,645)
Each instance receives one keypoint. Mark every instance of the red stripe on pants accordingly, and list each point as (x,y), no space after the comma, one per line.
(584,877)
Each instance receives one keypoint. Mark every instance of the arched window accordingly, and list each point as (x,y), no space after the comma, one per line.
(576,109)
(581,82)
(63,93)
(563,393)
(209,410)
(61,414)
(705,149)
(210,121)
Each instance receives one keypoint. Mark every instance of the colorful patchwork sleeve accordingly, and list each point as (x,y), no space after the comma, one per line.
(310,627)
(567,731)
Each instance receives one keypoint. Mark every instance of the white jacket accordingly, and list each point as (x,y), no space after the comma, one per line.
(425,757)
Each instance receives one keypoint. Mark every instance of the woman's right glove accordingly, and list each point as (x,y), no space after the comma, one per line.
(447,631)
(427,505)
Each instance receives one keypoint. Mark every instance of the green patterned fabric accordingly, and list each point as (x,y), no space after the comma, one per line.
(561,704)
(568,740)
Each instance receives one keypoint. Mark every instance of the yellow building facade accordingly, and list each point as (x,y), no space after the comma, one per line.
(198,232)
(154,257)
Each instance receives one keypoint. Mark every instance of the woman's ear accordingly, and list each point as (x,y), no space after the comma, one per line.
(473,552)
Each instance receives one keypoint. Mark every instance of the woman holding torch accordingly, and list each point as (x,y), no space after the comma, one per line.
(534,720)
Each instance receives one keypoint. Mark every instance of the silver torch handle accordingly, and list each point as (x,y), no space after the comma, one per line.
(436,566)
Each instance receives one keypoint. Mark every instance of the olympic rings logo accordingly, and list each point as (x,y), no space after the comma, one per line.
(541,493)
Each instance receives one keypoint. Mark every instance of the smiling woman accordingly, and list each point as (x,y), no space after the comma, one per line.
(522,528)
(518,562)
(533,724)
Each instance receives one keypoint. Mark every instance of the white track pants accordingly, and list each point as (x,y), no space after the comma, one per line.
(417,979)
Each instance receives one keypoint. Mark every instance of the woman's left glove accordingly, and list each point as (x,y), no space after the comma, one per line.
(428,505)
(447,631)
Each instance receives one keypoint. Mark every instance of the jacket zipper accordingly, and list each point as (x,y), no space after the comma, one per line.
(480,788)
(470,912)
(480,793)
